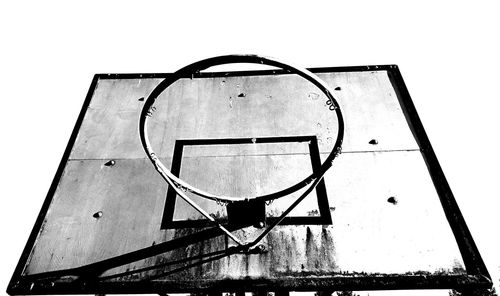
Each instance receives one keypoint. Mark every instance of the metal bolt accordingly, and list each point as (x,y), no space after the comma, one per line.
(261,248)
(260,224)
(392,200)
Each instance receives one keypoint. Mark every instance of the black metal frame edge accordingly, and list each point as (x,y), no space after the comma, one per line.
(50,194)
(474,264)
(310,283)
(171,195)
(324,218)
(249,73)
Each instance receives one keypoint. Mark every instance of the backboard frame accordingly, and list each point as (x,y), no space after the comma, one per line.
(477,276)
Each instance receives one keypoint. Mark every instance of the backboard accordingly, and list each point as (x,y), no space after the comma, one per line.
(381,217)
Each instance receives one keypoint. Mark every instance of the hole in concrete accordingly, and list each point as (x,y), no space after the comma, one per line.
(313,96)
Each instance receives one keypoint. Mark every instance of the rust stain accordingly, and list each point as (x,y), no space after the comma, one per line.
(311,251)
(313,213)
(327,249)
(302,250)
(292,250)
(185,252)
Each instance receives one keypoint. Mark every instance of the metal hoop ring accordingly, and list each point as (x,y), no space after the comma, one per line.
(188,71)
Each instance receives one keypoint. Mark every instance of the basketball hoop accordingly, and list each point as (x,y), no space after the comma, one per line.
(181,186)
